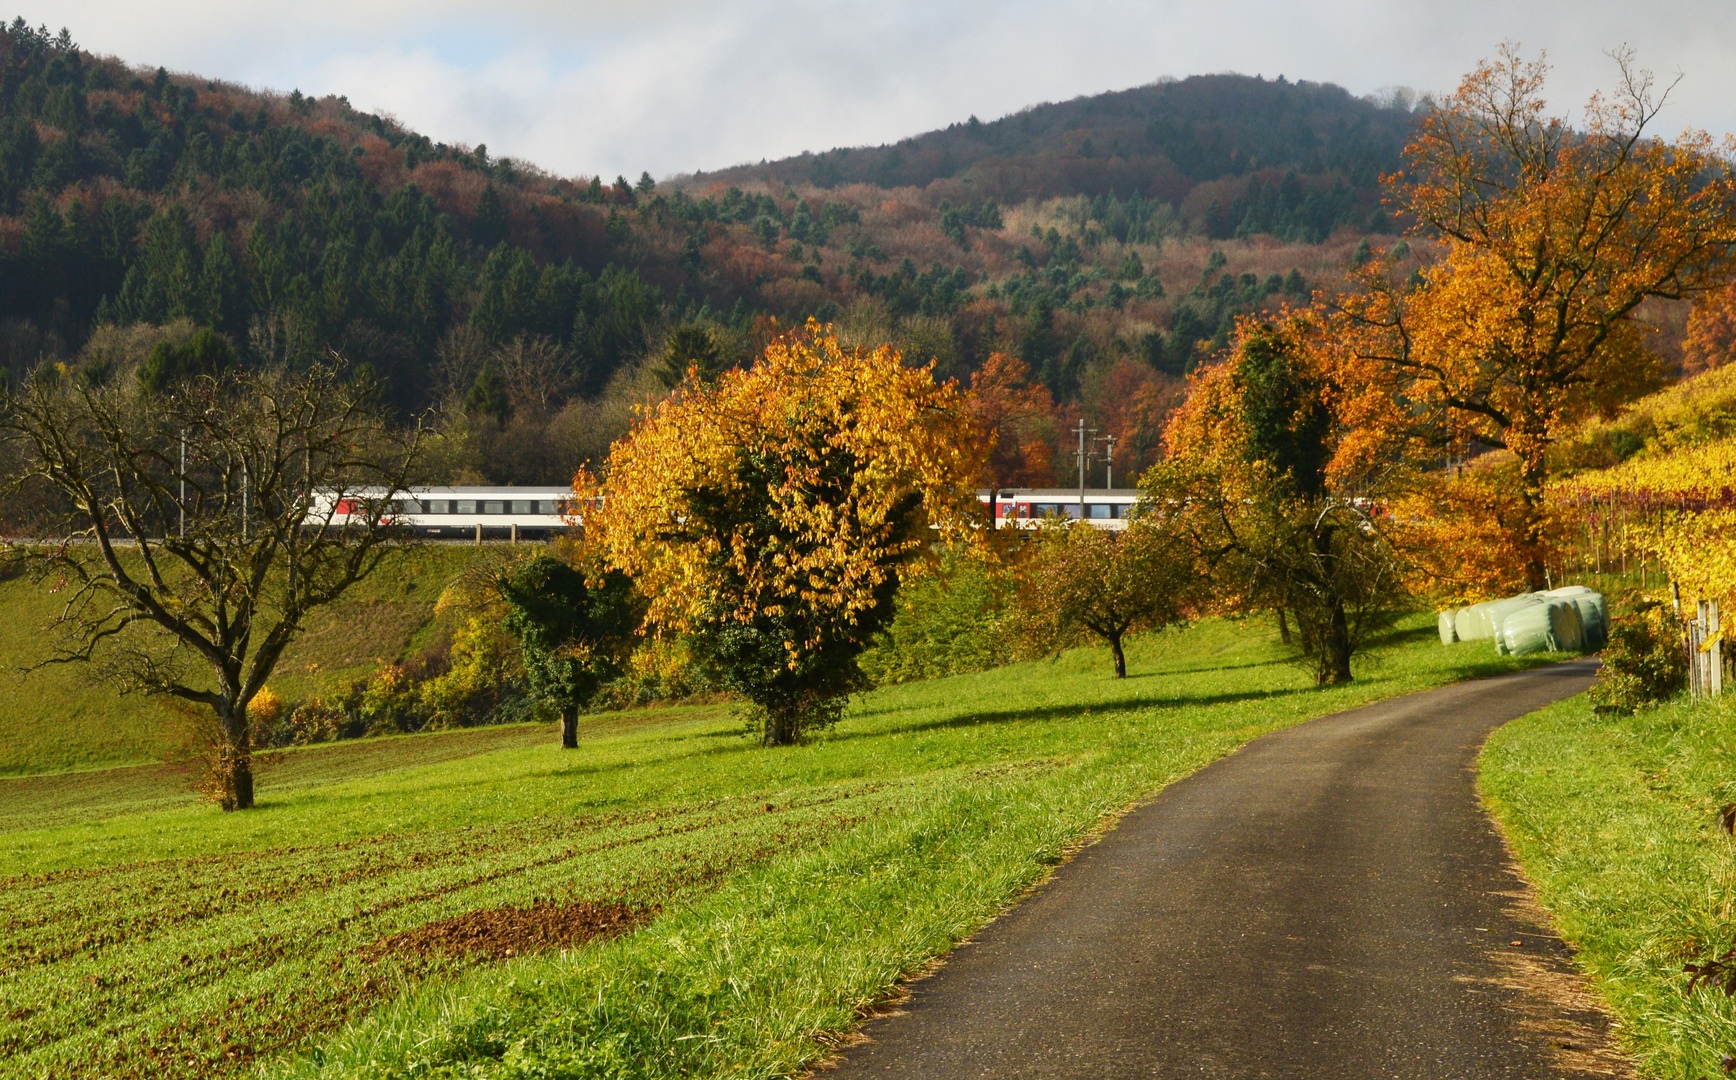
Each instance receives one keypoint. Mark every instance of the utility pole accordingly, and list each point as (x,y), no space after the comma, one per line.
(1109,463)
(181,503)
(1084,456)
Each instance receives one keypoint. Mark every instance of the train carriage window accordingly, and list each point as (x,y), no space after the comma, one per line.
(522,506)
(1046,510)
(1123,510)
(494,506)
(1099,511)
(467,506)
(439,507)
(408,506)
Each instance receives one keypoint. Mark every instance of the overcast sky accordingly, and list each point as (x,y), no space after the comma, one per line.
(670,86)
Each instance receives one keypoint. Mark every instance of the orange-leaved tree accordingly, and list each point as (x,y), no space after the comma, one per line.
(1016,419)
(1521,319)
(1276,495)
(769,515)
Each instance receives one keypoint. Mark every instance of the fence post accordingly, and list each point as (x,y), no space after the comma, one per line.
(479,534)
(1715,654)
(1696,644)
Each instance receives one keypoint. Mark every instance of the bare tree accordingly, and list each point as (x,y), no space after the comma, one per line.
(206,523)
(537,375)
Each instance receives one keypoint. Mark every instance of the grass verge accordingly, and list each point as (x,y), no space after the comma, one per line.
(1615,820)
(794,887)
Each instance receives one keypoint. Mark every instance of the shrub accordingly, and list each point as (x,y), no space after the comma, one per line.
(1645,661)
(946,624)
(485,671)
(660,669)
(264,712)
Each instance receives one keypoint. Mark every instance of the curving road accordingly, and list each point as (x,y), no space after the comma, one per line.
(1329,902)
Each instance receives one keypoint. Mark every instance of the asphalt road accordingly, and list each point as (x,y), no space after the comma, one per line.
(1329,902)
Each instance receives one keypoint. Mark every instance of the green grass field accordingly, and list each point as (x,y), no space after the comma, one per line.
(55,719)
(1615,819)
(786,890)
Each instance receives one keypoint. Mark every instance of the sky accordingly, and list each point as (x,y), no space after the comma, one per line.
(588,87)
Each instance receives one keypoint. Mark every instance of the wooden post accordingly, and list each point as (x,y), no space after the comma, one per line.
(1714,654)
(515,532)
(1697,639)
(479,534)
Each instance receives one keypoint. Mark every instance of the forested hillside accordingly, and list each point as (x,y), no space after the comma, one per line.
(1106,243)
(1295,160)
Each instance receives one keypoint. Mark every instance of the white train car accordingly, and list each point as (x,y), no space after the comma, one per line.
(1026,508)
(535,513)
(479,513)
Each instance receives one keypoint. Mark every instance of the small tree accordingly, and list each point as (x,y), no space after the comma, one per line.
(207,522)
(1258,479)
(770,514)
(573,630)
(1108,584)
(690,349)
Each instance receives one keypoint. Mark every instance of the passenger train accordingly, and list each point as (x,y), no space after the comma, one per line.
(535,513)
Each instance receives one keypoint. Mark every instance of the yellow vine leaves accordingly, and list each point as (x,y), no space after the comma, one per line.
(1682,506)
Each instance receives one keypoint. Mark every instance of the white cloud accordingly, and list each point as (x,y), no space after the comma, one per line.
(676,85)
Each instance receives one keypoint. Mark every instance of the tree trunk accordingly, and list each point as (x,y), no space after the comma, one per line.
(1283,627)
(782,726)
(1533,525)
(1120,657)
(569,727)
(234,764)
(1335,650)
(241,780)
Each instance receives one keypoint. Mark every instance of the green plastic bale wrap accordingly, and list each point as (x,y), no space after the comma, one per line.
(1543,626)
(1445,623)
(1593,614)
(1496,613)
(1471,624)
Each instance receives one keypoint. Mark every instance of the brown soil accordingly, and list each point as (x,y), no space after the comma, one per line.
(510,931)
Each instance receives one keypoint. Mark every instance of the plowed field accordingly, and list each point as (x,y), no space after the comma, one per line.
(188,967)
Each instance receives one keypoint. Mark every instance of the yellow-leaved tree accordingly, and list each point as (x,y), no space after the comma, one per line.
(769,514)
(1543,241)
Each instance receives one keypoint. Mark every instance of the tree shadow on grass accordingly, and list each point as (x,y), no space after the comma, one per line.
(1072,710)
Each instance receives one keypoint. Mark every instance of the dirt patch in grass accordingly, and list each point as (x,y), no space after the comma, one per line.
(500,932)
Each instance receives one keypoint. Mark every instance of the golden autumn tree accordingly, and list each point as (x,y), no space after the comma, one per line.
(1016,419)
(1548,239)
(770,514)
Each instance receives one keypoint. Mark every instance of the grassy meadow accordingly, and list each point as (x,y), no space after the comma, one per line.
(1616,820)
(778,893)
(56,719)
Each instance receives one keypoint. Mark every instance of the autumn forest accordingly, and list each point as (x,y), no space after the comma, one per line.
(1096,249)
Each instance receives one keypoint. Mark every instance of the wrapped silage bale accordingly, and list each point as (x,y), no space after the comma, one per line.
(1472,623)
(1495,614)
(1444,623)
(1593,614)
(1547,625)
